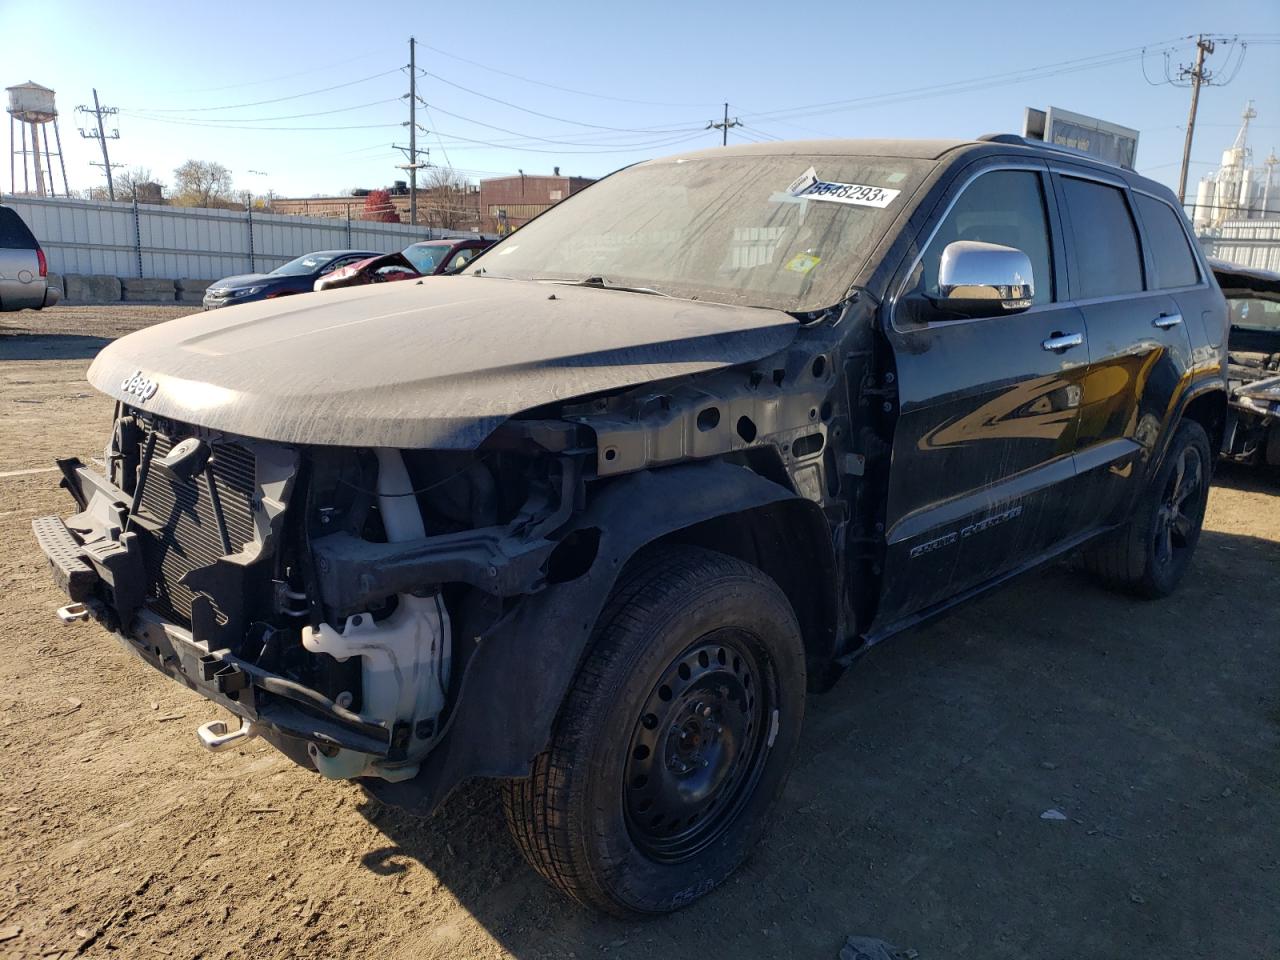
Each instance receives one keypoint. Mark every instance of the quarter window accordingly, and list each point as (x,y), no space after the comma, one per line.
(1175,263)
(1108,258)
(14,234)
(1004,207)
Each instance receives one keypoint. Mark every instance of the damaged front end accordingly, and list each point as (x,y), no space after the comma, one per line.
(330,597)
(1254,426)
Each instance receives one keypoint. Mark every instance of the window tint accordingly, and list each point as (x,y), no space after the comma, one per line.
(1004,207)
(1175,263)
(1108,259)
(14,234)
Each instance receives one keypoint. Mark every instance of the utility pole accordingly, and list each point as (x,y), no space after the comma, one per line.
(100,135)
(724,126)
(413,134)
(1196,75)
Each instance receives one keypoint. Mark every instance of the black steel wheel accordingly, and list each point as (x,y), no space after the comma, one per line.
(674,741)
(698,747)
(1149,555)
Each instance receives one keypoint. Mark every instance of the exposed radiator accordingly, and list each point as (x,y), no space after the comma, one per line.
(188,535)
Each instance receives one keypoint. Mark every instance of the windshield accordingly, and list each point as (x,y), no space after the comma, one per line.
(788,232)
(311,263)
(425,257)
(1254,314)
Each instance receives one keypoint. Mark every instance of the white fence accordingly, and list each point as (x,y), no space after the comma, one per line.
(1250,243)
(149,240)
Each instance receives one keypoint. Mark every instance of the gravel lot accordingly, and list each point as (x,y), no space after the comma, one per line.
(914,813)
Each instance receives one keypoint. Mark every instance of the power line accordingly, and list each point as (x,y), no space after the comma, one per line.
(960,86)
(212,125)
(529,136)
(285,76)
(258,103)
(536,113)
(552,86)
(626,149)
(290,116)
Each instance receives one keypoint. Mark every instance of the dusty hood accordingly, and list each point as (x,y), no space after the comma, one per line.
(436,363)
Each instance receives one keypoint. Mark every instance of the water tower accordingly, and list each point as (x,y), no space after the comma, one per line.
(31,107)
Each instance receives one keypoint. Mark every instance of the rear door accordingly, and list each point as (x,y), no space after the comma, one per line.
(982,477)
(1139,350)
(21,285)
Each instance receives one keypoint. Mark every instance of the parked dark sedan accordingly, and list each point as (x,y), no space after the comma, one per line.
(447,255)
(296,276)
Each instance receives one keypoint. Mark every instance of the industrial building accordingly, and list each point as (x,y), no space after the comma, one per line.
(507,203)
(1237,207)
(446,208)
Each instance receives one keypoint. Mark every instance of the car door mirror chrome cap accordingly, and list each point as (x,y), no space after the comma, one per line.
(972,270)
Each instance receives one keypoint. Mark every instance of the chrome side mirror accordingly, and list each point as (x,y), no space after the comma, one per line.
(983,279)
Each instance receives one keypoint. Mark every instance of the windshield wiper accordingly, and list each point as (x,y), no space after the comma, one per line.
(603,284)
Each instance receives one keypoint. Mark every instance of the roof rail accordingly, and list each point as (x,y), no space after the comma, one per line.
(1015,140)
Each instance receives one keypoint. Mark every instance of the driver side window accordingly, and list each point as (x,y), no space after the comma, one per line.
(460,260)
(1004,207)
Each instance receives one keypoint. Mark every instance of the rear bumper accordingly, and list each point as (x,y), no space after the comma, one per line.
(30,295)
(97,564)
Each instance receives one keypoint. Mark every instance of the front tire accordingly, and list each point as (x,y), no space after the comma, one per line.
(1149,555)
(674,741)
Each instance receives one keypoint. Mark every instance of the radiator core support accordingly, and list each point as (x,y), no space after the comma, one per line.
(405,657)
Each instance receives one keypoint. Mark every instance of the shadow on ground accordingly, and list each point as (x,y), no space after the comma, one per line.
(1247,478)
(914,812)
(37,346)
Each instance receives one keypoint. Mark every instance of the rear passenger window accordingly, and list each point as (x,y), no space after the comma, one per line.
(1175,263)
(1004,207)
(1108,259)
(14,234)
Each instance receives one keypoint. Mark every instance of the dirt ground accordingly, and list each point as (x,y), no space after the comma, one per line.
(914,812)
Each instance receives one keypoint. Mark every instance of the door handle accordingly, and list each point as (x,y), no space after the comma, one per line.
(1167,320)
(1063,341)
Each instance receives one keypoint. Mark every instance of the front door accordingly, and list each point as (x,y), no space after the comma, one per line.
(982,475)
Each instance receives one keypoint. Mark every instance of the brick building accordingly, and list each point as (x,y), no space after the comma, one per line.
(520,198)
(443,208)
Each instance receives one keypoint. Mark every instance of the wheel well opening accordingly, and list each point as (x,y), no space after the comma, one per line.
(789,541)
(1210,411)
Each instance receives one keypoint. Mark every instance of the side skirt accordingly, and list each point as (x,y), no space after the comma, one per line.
(869,640)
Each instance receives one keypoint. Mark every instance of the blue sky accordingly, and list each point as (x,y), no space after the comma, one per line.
(615,83)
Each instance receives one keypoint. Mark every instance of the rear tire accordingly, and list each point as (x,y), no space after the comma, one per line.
(1149,555)
(674,741)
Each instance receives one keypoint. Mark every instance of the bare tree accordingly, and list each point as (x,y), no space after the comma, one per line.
(138,183)
(202,183)
(447,195)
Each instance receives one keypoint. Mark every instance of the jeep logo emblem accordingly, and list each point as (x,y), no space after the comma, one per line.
(140,386)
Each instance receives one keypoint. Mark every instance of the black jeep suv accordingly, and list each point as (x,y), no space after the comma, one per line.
(591,518)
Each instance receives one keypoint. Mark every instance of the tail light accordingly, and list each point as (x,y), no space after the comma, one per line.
(44,264)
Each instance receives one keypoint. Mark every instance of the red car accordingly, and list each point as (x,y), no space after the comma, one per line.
(424,259)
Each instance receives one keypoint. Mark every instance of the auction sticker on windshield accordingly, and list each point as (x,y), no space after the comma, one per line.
(808,186)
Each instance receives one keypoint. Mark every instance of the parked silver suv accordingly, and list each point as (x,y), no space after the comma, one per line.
(24,272)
